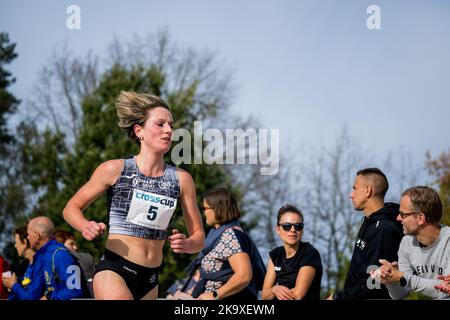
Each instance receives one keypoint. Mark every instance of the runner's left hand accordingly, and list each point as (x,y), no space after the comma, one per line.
(178,242)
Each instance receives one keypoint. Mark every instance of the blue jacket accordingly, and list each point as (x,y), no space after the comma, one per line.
(54,273)
(26,289)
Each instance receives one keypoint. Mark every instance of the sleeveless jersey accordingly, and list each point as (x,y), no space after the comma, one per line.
(142,206)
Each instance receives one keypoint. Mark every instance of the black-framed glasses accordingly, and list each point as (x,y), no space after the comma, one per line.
(288,226)
(405,214)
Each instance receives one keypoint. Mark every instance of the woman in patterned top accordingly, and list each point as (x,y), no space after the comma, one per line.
(142,194)
(229,262)
(295,269)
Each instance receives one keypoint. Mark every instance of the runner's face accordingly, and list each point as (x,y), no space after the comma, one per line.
(157,130)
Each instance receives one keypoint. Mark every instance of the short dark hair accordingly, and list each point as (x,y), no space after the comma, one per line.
(63,235)
(426,200)
(22,233)
(223,203)
(378,179)
(288,208)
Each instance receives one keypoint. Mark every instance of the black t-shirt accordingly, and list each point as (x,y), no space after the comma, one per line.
(286,270)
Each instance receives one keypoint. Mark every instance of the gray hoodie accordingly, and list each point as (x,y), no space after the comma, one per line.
(421,266)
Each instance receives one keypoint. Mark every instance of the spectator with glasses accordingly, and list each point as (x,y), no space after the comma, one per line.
(424,255)
(294,270)
(231,268)
(378,237)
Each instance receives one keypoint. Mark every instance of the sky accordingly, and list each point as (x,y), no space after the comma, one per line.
(307,68)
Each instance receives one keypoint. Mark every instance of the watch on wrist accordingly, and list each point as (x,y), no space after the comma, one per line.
(215,294)
(403,282)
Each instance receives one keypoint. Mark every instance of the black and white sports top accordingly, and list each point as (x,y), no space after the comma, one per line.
(142,206)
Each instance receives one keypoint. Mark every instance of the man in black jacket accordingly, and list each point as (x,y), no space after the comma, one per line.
(379,237)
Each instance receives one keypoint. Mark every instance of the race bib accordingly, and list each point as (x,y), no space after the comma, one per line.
(151,210)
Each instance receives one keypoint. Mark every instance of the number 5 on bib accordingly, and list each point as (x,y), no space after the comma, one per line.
(152,213)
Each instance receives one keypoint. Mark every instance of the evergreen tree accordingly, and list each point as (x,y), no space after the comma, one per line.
(440,169)
(101,139)
(8,102)
(53,167)
(12,201)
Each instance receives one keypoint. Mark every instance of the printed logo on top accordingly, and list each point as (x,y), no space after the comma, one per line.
(165,185)
(143,183)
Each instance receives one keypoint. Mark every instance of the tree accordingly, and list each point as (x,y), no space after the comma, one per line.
(61,86)
(191,82)
(439,168)
(334,222)
(12,201)
(327,179)
(8,102)
(263,195)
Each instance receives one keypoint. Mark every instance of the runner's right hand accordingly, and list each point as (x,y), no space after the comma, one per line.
(92,230)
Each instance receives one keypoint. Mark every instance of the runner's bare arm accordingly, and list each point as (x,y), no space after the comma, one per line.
(103,177)
(192,218)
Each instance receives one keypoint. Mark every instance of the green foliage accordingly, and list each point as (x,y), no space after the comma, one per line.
(49,170)
(101,139)
(55,172)
(12,196)
(36,174)
(341,273)
(440,169)
(417,296)
(8,102)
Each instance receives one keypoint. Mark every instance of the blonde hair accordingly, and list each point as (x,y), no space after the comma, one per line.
(132,109)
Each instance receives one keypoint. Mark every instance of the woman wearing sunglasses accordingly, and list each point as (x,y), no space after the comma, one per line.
(294,271)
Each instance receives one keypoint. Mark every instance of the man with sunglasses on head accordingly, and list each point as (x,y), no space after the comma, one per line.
(423,258)
(378,237)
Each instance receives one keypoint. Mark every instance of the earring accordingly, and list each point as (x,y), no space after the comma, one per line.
(141,138)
